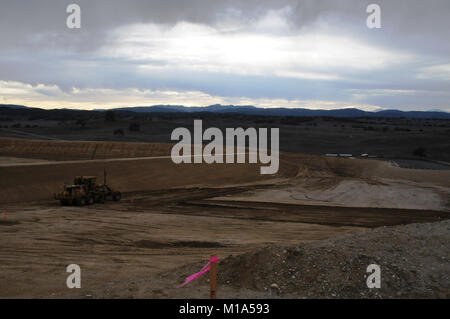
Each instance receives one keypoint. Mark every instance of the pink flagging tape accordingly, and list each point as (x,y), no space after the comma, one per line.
(200,273)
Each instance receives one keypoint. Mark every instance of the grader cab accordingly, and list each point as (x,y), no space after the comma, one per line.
(85,191)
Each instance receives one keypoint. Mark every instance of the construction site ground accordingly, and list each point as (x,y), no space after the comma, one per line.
(317,216)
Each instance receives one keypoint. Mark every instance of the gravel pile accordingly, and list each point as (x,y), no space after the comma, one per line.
(414,263)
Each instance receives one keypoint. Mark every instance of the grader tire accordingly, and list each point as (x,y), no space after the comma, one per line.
(101,198)
(117,196)
(81,201)
(91,200)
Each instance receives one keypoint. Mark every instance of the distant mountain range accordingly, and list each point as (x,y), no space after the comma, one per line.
(16,107)
(252,110)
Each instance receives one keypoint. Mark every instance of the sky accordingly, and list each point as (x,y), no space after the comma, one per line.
(316,54)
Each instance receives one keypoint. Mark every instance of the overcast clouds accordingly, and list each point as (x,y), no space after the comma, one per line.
(269,53)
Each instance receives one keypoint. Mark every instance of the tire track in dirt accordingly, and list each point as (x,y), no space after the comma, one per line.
(322,215)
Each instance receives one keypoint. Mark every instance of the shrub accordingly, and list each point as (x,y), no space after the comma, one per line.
(420,151)
(135,127)
(81,123)
(119,132)
(110,116)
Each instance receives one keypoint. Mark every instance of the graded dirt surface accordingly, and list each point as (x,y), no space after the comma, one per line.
(382,193)
(112,242)
(175,215)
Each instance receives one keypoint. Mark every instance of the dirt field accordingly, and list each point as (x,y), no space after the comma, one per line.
(173,215)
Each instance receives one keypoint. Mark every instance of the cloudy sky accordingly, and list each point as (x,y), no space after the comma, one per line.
(267,53)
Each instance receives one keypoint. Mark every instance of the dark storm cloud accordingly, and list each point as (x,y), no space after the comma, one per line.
(37,47)
(20,20)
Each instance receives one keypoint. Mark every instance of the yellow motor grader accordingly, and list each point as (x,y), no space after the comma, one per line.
(85,191)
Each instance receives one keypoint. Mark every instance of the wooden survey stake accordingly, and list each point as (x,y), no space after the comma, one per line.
(213,277)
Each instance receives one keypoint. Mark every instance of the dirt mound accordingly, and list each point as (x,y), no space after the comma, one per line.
(40,182)
(68,150)
(126,168)
(129,172)
(368,169)
(413,260)
(352,193)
